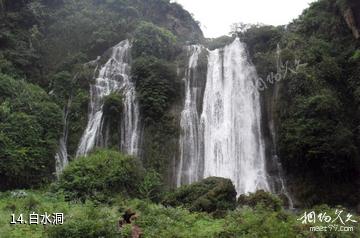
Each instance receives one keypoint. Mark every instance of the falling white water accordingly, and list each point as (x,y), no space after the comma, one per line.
(113,77)
(233,142)
(190,138)
(279,178)
(61,157)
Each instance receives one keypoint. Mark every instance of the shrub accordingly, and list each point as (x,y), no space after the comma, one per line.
(156,86)
(113,105)
(30,125)
(101,175)
(261,38)
(356,55)
(86,228)
(151,40)
(262,198)
(157,221)
(209,195)
(152,186)
(219,42)
(259,222)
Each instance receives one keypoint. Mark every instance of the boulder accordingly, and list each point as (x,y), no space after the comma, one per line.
(210,195)
(260,198)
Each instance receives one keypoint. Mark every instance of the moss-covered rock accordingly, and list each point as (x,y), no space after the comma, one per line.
(212,194)
(262,198)
(113,105)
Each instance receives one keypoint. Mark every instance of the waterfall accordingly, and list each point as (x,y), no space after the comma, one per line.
(61,157)
(190,137)
(113,77)
(229,129)
(233,142)
(280,183)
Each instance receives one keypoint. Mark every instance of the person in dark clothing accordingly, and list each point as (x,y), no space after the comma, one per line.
(127,215)
(128,218)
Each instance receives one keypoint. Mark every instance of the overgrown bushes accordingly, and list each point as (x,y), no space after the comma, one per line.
(30,125)
(156,221)
(151,40)
(209,195)
(105,174)
(158,90)
(156,86)
(113,105)
(260,198)
(101,175)
(317,109)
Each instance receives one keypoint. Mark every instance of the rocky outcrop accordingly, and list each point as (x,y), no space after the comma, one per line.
(351,13)
(260,198)
(212,194)
(172,16)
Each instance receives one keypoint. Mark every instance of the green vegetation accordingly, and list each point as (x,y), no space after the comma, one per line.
(150,39)
(29,130)
(94,193)
(42,40)
(219,42)
(317,112)
(155,50)
(156,86)
(44,49)
(113,105)
(113,109)
(260,198)
(87,220)
(209,195)
(81,220)
(100,175)
(107,173)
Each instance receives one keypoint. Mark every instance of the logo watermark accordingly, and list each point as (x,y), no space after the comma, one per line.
(38,219)
(282,72)
(329,222)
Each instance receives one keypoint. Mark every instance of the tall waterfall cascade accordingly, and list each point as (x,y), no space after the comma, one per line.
(114,77)
(190,138)
(226,139)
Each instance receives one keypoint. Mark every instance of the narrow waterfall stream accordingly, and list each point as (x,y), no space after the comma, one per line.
(280,178)
(190,138)
(229,128)
(61,157)
(114,76)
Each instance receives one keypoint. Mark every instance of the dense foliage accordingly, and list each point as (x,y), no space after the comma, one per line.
(29,130)
(318,134)
(150,39)
(317,111)
(44,49)
(100,175)
(209,195)
(113,105)
(154,53)
(260,198)
(49,43)
(156,86)
(87,220)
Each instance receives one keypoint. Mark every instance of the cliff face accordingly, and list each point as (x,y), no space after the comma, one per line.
(355,6)
(351,15)
(48,42)
(171,16)
(310,117)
